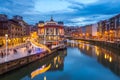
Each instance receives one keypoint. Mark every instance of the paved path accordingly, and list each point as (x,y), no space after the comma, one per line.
(22,52)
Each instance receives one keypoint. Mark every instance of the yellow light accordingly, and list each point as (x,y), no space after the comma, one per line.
(59,59)
(111,31)
(40,71)
(34,35)
(83,46)
(23,39)
(40,45)
(42,31)
(87,34)
(9,40)
(6,35)
(105,56)
(106,32)
(55,60)
(40,25)
(88,47)
(97,51)
(79,46)
(110,59)
(45,78)
(49,38)
(56,65)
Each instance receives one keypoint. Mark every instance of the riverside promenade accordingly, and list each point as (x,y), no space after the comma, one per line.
(23,55)
(19,52)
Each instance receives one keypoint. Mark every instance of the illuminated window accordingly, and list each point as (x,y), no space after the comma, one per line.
(42,31)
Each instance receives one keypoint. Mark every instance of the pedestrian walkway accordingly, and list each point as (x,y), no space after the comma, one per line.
(20,52)
(23,50)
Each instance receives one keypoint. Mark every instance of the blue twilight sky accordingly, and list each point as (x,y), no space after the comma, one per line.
(72,12)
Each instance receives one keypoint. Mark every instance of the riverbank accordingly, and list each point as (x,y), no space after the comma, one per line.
(17,63)
(113,45)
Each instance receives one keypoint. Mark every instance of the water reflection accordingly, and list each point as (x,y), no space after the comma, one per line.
(54,62)
(107,57)
(81,61)
(41,70)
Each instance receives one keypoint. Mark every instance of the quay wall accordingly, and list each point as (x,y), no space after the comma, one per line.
(101,43)
(14,64)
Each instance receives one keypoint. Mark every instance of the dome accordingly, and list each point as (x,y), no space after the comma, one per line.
(51,20)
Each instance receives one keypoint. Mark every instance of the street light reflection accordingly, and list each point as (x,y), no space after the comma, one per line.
(41,70)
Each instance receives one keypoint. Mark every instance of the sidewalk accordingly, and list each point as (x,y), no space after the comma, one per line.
(21,52)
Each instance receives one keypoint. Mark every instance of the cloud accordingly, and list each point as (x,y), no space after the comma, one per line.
(83,1)
(72,12)
(16,6)
(50,5)
(102,10)
(97,8)
(4,10)
(81,21)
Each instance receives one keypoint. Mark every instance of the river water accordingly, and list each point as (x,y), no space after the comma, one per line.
(78,62)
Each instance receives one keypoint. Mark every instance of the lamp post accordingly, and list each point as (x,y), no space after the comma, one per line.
(44,39)
(6,37)
(44,36)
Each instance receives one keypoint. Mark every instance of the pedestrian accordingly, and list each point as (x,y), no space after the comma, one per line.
(15,51)
(2,54)
(29,51)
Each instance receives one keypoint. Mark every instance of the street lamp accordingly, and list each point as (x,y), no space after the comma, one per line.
(44,39)
(6,37)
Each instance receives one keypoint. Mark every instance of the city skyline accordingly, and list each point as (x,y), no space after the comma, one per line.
(71,12)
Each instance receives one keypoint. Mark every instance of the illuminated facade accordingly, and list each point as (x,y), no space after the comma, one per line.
(116,30)
(16,29)
(88,31)
(50,32)
(110,29)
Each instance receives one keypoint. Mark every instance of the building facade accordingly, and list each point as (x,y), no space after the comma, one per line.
(94,30)
(50,32)
(115,27)
(3,28)
(16,29)
(109,30)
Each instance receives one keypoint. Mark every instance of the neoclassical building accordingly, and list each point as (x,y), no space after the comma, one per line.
(50,32)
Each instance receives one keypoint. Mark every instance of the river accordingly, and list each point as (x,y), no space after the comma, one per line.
(78,62)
